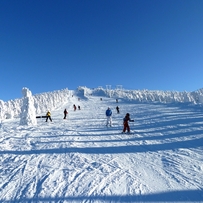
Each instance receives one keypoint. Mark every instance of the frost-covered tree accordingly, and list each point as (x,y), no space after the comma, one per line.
(55,99)
(28,112)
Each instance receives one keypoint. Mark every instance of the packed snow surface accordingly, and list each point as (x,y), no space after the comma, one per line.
(79,159)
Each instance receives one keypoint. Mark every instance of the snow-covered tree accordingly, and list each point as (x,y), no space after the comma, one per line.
(28,112)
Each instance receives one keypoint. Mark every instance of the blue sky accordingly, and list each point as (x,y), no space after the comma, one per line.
(48,45)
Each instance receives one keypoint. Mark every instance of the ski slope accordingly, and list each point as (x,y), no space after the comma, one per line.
(81,160)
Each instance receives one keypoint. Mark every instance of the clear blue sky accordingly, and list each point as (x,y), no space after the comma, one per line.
(48,45)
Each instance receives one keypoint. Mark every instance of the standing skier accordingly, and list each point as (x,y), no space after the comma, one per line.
(65,113)
(74,106)
(108,116)
(48,116)
(117,108)
(125,123)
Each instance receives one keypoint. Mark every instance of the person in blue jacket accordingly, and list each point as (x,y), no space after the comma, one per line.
(108,116)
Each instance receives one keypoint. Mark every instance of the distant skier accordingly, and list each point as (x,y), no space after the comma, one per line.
(108,116)
(65,113)
(48,116)
(78,107)
(74,107)
(125,123)
(117,109)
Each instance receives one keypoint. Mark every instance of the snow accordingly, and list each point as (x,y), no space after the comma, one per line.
(28,111)
(79,159)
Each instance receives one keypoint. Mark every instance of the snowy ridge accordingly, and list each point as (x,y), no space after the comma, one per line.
(53,100)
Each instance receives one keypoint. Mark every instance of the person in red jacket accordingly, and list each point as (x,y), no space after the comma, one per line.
(74,107)
(125,123)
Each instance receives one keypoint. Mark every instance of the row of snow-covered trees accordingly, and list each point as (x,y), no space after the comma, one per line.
(159,96)
(53,100)
(42,102)
(194,97)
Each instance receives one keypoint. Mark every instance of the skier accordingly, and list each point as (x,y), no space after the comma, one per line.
(74,107)
(65,113)
(78,107)
(117,108)
(125,123)
(108,116)
(48,116)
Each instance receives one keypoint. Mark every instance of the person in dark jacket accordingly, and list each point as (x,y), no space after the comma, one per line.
(65,113)
(48,116)
(117,108)
(125,123)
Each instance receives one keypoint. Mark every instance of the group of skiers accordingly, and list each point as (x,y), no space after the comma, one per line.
(65,112)
(126,119)
(75,108)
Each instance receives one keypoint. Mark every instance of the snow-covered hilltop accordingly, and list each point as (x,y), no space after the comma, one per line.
(53,100)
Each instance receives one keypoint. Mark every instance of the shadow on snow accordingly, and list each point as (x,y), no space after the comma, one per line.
(171,196)
(114,149)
